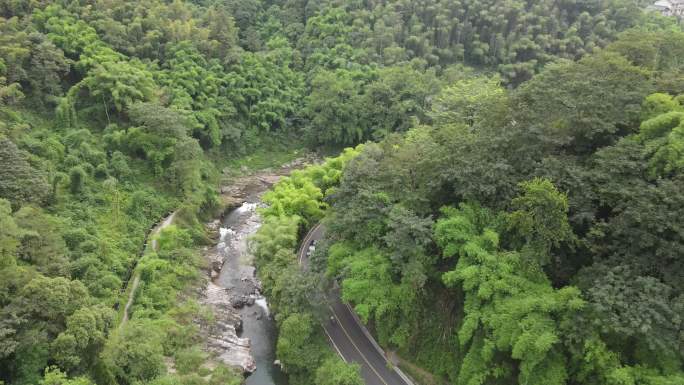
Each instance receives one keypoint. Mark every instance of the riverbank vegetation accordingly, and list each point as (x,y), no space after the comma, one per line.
(550,131)
(296,295)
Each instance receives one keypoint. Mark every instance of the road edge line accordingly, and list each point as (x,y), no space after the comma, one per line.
(346,333)
(339,352)
(365,331)
(377,347)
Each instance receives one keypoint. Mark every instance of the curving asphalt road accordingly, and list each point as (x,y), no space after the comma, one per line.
(348,337)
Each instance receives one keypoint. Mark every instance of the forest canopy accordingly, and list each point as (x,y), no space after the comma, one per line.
(539,227)
(513,214)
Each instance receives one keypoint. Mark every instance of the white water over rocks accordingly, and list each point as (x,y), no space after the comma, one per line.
(233,293)
(243,334)
(232,285)
(263,304)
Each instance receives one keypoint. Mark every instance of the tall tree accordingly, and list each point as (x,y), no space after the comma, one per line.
(19,181)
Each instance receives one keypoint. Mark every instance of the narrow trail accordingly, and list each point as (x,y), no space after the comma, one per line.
(131,295)
(164,224)
(136,277)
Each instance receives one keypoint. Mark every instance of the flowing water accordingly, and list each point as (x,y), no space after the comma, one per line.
(238,276)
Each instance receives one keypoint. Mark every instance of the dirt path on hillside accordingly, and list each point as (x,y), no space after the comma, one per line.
(136,276)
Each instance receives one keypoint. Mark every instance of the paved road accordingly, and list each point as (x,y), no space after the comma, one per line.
(347,336)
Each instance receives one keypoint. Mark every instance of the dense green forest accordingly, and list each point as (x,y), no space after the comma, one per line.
(533,235)
(515,217)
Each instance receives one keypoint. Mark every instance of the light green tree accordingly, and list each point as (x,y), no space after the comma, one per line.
(511,314)
(135,352)
(471,101)
(295,195)
(336,372)
(294,347)
(53,376)
(77,348)
(540,219)
(120,84)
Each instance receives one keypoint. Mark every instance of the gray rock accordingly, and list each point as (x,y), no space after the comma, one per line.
(216,265)
(238,302)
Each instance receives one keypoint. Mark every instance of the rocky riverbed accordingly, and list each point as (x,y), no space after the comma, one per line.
(242,334)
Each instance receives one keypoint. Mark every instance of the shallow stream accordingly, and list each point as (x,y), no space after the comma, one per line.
(237,275)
